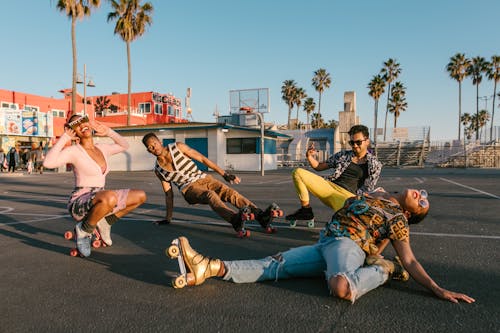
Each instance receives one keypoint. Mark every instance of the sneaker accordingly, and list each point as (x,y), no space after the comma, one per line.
(83,240)
(200,267)
(304,213)
(105,231)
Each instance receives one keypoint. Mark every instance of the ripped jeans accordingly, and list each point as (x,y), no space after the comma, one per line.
(329,257)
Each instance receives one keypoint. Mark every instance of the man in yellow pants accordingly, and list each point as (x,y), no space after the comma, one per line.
(354,172)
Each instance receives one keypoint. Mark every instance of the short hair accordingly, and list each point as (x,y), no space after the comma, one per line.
(147,137)
(359,128)
(417,218)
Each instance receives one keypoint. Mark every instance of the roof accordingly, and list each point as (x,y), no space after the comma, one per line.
(194,126)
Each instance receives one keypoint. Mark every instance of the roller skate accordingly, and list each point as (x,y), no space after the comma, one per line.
(265,218)
(303,214)
(239,219)
(94,240)
(194,267)
(394,268)
(104,230)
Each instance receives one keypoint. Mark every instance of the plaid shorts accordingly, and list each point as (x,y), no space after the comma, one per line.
(80,202)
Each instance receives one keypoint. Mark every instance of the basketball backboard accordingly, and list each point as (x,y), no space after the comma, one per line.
(245,100)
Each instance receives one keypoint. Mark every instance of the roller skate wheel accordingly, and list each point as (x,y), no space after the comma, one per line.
(280,213)
(179,282)
(172,251)
(270,230)
(310,224)
(293,223)
(68,235)
(251,216)
(96,243)
(73,252)
(243,233)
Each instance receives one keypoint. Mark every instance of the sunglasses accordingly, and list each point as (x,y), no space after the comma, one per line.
(73,124)
(357,142)
(423,202)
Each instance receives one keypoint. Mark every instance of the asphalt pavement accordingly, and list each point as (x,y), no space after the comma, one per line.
(126,287)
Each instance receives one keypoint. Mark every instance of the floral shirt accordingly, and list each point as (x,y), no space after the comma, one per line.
(341,160)
(367,220)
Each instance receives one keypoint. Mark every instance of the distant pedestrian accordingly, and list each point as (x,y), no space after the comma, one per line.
(13,159)
(3,160)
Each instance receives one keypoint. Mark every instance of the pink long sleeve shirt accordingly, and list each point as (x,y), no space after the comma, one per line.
(87,172)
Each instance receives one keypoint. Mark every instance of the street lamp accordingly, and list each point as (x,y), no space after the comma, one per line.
(86,84)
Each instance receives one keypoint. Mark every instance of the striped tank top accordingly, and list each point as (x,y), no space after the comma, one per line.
(185,170)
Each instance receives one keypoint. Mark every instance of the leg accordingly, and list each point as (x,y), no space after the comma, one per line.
(199,193)
(228,194)
(304,261)
(346,276)
(329,193)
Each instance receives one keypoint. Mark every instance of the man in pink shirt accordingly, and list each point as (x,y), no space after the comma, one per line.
(90,204)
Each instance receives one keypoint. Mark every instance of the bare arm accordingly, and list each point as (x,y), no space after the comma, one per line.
(417,272)
(311,155)
(194,154)
(169,200)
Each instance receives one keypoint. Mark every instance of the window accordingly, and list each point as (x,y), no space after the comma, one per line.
(158,109)
(31,108)
(241,146)
(170,110)
(144,108)
(59,113)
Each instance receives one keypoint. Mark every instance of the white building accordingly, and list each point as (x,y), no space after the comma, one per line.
(231,147)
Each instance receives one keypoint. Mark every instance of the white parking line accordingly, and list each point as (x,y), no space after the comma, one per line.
(455,235)
(470,188)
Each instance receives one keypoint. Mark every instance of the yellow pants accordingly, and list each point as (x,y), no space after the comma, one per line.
(329,193)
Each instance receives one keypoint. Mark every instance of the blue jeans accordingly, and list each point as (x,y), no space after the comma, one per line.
(331,256)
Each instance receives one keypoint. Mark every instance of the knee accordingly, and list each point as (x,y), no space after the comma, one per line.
(209,196)
(339,287)
(140,196)
(108,199)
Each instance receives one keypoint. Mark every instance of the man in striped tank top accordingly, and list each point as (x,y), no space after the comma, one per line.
(174,165)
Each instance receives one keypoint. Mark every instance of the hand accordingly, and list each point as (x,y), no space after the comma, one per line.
(99,128)
(311,151)
(453,296)
(232,179)
(70,132)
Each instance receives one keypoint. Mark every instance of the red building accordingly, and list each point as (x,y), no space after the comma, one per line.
(27,119)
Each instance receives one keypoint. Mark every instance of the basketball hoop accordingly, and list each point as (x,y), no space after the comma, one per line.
(246,109)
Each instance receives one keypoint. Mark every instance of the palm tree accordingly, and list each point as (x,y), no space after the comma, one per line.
(131,20)
(397,103)
(493,72)
(390,72)
(377,88)
(309,106)
(300,94)
(468,122)
(483,118)
(477,68)
(287,94)
(317,121)
(75,10)
(320,81)
(457,68)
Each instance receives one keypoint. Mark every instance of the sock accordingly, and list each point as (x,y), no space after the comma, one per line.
(111,219)
(87,227)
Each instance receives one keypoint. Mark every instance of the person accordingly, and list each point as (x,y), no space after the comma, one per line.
(39,157)
(3,160)
(174,165)
(29,166)
(346,252)
(354,172)
(13,159)
(90,204)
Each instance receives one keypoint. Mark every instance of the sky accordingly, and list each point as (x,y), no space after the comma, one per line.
(216,46)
